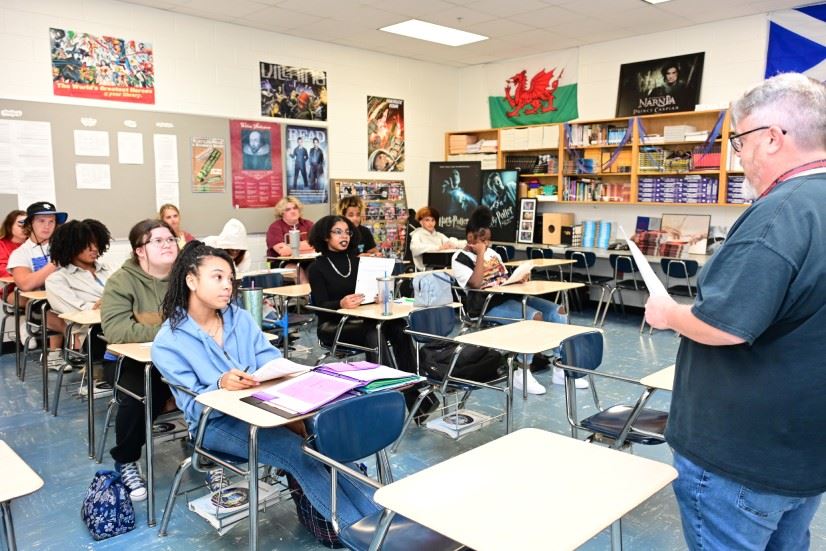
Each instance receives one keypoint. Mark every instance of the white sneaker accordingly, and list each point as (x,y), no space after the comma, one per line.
(56,361)
(559,379)
(533,385)
(102,388)
(132,479)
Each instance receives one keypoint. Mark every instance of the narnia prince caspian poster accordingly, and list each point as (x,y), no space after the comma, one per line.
(666,85)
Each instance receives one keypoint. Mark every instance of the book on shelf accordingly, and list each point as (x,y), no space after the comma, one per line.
(458,423)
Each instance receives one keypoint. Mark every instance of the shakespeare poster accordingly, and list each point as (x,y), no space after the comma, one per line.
(306,160)
(293,92)
(454,191)
(664,85)
(101,67)
(385,134)
(499,194)
(256,164)
(208,165)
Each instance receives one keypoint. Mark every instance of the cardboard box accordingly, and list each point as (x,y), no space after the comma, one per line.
(552,223)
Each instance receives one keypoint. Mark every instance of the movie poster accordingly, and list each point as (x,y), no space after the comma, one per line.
(306,160)
(293,92)
(256,164)
(208,173)
(385,134)
(499,194)
(664,85)
(455,189)
(101,67)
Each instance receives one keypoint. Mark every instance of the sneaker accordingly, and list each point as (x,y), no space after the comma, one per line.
(559,379)
(533,385)
(56,362)
(102,388)
(132,479)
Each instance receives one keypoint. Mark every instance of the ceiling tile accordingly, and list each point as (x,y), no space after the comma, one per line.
(279,19)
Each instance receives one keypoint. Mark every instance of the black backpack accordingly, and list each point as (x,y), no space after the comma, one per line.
(475,363)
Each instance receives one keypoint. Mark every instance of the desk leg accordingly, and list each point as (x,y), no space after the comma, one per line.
(90,413)
(17,332)
(253,486)
(509,397)
(44,358)
(616,535)
(378,337)
(150,445)
(381,530)
(285,331)
(8,525)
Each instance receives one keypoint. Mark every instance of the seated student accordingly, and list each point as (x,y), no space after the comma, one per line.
(206,343)
(479,267)
(78,283)
(131,312)
(426,239)
(288,217)
(351,208)
(233,240)
(333,285)
(30,264)
(170,214)
(12,235)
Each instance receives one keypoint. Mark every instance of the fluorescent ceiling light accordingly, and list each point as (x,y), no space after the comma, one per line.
(656,1)
(433,33)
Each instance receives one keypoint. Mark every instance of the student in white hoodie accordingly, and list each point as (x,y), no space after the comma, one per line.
(233,239)
(426,239)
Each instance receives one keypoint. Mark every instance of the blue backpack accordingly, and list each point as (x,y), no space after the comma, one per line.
(432,289)
(107,509)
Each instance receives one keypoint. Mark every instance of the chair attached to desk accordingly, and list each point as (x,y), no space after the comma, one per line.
(619,425)
(351,430)
(679,268)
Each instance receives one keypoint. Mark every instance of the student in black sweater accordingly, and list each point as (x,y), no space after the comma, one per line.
(332,285)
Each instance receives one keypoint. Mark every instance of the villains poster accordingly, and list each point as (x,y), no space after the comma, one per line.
(385,134)
(306,164)
(293,92)
(256,164)
(664,85)
(499,194)
(454,191)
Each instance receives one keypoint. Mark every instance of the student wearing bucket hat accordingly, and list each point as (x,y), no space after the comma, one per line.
(30,264)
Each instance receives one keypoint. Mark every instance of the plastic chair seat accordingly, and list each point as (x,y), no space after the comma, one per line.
(413,536)
(631,285)
(611,421)
(578,277)
(682,290)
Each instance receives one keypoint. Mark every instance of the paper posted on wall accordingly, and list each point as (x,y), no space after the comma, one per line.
(652,282)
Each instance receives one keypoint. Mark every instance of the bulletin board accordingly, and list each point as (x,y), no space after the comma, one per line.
(132,194)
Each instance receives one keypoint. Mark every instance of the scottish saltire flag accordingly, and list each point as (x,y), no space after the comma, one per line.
(797,42)
(539,89)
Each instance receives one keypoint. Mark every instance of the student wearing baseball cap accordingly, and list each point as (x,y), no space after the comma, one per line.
(30,264)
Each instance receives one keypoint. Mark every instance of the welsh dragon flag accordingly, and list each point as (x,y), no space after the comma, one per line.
(539,89)
(797,42)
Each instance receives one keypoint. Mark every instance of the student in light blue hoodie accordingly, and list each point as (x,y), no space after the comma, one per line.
(207,343)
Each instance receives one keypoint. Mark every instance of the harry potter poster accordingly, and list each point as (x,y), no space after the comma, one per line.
(499,194)
(664,85)
(455,189)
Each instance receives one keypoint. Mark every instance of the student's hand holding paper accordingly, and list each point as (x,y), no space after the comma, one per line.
(279,367)
(235,379)
(352,301)
(657,310)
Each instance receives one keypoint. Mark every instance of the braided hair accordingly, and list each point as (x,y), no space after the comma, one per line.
(176,302)
(73,237)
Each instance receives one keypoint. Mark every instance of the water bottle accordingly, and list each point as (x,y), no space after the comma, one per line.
(252,300)
(386,294)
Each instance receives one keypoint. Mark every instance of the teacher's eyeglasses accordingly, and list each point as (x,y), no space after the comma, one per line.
(341,232)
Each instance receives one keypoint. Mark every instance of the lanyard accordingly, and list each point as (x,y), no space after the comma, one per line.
(789,174)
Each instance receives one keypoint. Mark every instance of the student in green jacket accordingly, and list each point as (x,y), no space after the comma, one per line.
(131,312)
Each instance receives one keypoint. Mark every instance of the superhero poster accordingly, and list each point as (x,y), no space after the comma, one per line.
(385,134)
(499,194)
(101,67)
(256,164)
(306,160)
(293,92)
(666,85)
(455,190)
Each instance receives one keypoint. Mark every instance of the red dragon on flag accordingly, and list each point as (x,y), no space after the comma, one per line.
(541,90)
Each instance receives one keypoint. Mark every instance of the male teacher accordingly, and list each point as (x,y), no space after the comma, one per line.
(749,406)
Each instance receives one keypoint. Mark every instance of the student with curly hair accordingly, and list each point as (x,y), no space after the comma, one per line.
(352,208)
(207,343)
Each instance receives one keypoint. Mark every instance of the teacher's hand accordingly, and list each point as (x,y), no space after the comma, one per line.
(657,310)
(235,379)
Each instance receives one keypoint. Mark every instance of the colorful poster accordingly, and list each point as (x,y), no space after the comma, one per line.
(385,134)
(101,67)
(293,92)
(385,211)
(664,85)
(208,156)
(455,190)
(256,164)
(499,194)
(539,89)
(306,161)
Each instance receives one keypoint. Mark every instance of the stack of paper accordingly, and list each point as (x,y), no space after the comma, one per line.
(458,143)
(459,423)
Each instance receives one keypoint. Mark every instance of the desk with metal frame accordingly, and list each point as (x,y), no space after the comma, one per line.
(527,289)
(18,479)
(521,338)
(541,511)
(439,259)
(285,293)
(44,358)
(660,380)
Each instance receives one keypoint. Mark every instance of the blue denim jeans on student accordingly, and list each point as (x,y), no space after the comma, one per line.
(281,448)
(513,309)
(720,514)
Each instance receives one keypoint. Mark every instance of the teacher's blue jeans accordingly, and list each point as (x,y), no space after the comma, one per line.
(720,514)
(513,309)
(279,447)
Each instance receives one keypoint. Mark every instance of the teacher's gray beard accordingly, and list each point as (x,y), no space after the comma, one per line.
(749,193)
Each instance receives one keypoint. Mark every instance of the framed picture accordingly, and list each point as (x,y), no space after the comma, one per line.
(527,217)
(683,233)
(666,85)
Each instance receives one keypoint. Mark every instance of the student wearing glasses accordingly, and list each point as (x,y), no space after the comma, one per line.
(131,312)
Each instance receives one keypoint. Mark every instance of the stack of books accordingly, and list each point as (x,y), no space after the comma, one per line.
(677,132)
(458,143)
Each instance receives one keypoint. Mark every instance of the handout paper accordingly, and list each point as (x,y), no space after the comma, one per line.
(652,282)
(370,268)
(279,367)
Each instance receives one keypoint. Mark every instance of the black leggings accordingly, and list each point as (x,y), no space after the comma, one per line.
(130,431)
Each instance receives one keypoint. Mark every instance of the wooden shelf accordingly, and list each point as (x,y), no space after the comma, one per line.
(530,150)
(599,146)
(680,173)
(682,142)
(568,201)
(540,175)
(596,174)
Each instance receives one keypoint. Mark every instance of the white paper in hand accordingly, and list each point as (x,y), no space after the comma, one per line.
(654,284)
(519,273)
(279,367)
